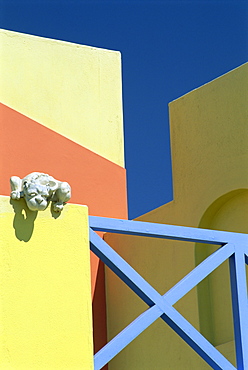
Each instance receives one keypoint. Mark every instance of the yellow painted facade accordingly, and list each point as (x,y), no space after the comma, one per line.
(72,89)
(209,136)
(45,298)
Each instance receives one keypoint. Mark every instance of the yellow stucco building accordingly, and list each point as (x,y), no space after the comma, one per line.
(209,140)
(55,96)
(45,299)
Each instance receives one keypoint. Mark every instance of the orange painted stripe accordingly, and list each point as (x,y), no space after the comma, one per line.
(27,146)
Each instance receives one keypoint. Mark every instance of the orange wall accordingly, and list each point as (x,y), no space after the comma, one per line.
(27,146)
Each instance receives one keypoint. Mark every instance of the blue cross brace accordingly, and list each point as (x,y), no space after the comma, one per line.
(162,306)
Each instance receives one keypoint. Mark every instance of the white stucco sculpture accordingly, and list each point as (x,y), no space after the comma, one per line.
(38,189)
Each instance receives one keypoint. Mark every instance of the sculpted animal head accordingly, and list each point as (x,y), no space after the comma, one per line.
(38,189)
(38,193)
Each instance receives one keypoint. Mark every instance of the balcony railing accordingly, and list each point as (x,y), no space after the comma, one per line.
(233,246)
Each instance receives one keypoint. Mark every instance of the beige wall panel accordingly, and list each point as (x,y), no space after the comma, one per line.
(72,89)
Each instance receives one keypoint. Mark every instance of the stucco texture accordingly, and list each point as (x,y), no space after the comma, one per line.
(45,295)
(72,89)
(209,136)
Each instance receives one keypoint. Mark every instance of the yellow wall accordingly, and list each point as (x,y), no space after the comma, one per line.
(162,264)
(72,89)
(209,136)
(45,295)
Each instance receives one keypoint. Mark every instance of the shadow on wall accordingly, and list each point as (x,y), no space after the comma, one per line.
(227,213)
(23,222)
(24,219)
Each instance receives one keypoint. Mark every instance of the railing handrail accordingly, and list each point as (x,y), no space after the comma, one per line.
(165,231)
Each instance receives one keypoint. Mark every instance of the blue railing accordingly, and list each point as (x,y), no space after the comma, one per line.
(233,246)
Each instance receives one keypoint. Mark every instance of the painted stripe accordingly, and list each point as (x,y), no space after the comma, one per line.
(27,146)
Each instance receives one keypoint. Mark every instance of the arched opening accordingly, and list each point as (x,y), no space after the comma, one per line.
(228,213)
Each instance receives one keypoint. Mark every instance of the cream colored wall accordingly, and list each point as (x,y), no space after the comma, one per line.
(45,299)
(72,89)
(209,136)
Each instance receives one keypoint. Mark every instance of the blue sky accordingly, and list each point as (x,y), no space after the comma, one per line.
(168,48)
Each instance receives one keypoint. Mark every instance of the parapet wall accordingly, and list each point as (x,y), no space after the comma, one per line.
(45,295)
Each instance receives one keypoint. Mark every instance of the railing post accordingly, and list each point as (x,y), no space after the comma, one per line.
(240,306)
